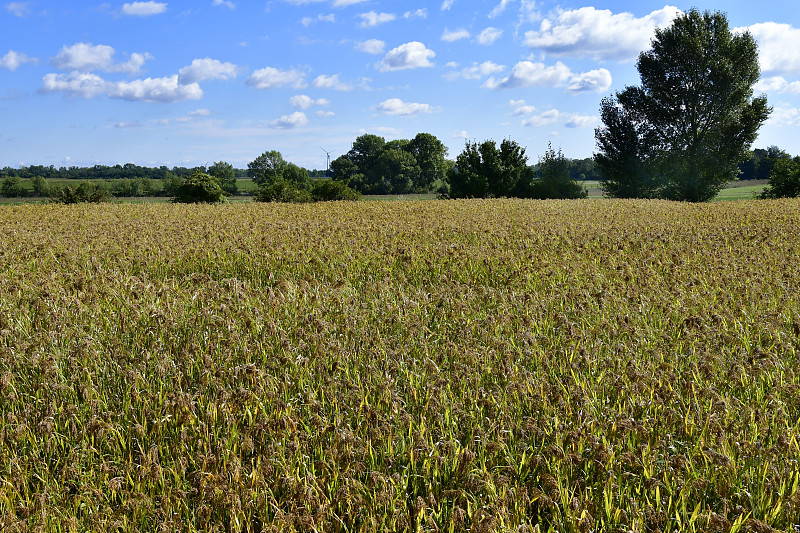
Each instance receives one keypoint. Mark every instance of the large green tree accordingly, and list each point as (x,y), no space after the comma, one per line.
(486,170)
(267,167)
(429,152)
(695,113)
(226,175)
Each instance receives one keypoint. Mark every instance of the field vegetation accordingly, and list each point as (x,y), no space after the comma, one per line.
(484,365)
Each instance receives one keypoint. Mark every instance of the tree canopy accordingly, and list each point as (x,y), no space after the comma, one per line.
(683,132)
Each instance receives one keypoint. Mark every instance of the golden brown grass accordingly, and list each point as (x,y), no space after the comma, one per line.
(427,366)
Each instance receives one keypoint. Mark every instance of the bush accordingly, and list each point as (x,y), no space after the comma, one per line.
(784,180)
(333,190)
(83,193)
(199,188)
(12,187)
(552,178)
(281,190)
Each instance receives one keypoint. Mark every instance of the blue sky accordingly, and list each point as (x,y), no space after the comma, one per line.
(194,82)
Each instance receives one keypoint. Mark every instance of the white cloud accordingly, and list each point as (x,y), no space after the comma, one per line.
(199,113)
(777,47)
(286,122)
(271,78)
(128,125)
(499,8)
(784,116)
(226,3)
(86,57)
(476,71)
(593,81)
(344,3)
(777,84)
(307,21)
(553,116)
(13,60)
(520,107)
(371,46)
(406,56)
(303,101)
(459,134)
(324,114)
(447,4)
(489,35)
(455,35)
(417,14)
(324,81)
(598,33)
(529,74)
(397,107)
(144,9)
(87,85)
(372,19)
(18,9)
(207,69)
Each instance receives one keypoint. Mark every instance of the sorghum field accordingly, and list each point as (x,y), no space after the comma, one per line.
(479,366)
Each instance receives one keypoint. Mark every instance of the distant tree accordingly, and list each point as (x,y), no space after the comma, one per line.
(785,179)
(267,167)
(396,172)
(297,175)
(552,178)
(12,187)
(429,152)
(343,168)
(40,186)
(695,111)
(84,193)
(484,170)
(170,183)
(625,157)
(226,175)
(199,188)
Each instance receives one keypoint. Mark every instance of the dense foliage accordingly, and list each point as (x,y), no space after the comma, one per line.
(501,365)
(199,188)
(684,131)
(784,179)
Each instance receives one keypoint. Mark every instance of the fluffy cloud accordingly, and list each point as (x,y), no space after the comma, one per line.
(86,57)
(13,60)
(416,14)
(777,47)
(499,8)
(324,81)
(144,9)
(777,84)
(593,81)
(371,46)
(406,56)
(372,19)
(489,35)
(529,74)
(226,3)
(344,3)
(447,4)
(87,85)
(476,71)
(454,35)
(287,122)
(784,116)
(397,107)
(303,101)
(553,116)
(599,33)
(18,9)
(307,21)
(324,114)
(271,78)
(207,69)
(520,107)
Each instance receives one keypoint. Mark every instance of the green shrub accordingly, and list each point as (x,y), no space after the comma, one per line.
(12,187)
(333,190)
(281,190)
(84,193)
(199,188)
(784,180)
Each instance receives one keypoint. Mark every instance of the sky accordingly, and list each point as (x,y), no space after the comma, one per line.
(186,83)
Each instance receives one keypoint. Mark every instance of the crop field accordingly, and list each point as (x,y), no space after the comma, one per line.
(438,366)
